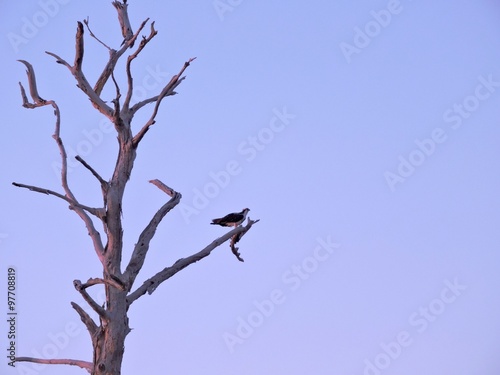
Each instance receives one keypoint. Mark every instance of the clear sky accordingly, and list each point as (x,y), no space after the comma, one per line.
(363,134)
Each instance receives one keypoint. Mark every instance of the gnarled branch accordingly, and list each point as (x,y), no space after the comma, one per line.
(69,196)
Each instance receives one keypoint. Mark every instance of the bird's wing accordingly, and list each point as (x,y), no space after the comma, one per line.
(231,218)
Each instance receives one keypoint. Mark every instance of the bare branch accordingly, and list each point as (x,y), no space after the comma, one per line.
(92,170)
(26,103)
(77,72)
(86,319)
(69,197)
(32,83)
(59,60)
(104,184)
(98,212)
(144,102)
(130,80)
(114,56)
(141,248)
(79,48)
(98,309)
(79,209)
(72,362)
(160,185)
(114,282)
(235,239)
(152,283)
(121,8)
(116,100)
(167,91)
(86,22)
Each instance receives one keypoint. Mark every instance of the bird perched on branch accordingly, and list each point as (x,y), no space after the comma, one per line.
(232,220)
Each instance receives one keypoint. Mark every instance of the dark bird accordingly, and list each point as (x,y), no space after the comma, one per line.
(232,220)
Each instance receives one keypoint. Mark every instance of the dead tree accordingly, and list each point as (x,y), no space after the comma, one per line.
(109,333)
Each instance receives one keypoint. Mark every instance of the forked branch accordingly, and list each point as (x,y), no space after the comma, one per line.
(77,72)
(114,56)
(38,101)
(152,283)
(167,91)
(98,309)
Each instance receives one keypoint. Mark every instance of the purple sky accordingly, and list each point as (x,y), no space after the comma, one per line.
(363,135)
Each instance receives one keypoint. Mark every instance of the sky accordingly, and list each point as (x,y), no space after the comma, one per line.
(364,136)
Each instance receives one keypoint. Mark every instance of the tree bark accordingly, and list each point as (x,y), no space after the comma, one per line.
(109,343)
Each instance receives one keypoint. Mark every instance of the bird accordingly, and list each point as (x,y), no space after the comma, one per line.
(231,220)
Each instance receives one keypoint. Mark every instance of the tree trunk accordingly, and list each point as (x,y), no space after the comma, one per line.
(109,345)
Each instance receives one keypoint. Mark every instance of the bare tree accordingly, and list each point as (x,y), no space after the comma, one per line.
(109,333)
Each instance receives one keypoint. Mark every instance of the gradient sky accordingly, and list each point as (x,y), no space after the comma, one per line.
(363,135)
